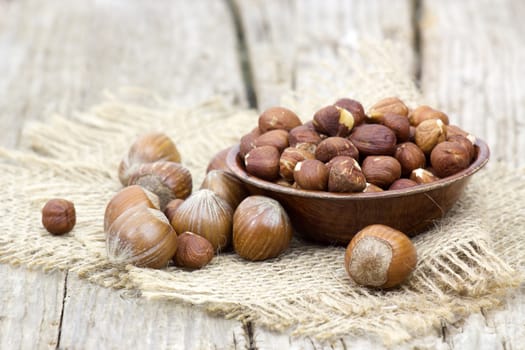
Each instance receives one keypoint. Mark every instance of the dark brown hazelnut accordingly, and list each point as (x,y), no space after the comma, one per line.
(263,162)
(402,183)
(354,107)
(381,170)
(333,121)
(429,133)
(311,174)
(345,175)
(456,130)
(303,134)
(467,142)
(246,144)
(423,176)
(398,124)
(448,158)
(335,146)
(278,118)
(58,216)
(387,105)
(289,159)
(193,251)
(410,156)
(277,138)
(374,139)
(422,113)
(370,188)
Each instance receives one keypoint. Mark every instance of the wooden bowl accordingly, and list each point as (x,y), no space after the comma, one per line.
(334,218)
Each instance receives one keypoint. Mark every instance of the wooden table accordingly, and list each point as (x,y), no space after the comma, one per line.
(57,56)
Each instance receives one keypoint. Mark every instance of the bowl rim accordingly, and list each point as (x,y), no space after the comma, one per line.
(233,164)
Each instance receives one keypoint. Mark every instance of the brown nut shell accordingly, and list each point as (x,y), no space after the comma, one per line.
(193,251)
(372,188)
(263,162)
(311,174)
(278,118)
(345,175)
(247,142)
(354,107)
(277,138)
(387,105)
(410,156)
(374,139)
(333,121)
(58,216)
(398,124)
(429,133)
(422,113)
(171,207)
(448,158)
(261,229)
(335,146)
(226,186)
(289,159)
(381,171)
(402,183)
(423,176)
(303,134)
(467,142)
(380,257)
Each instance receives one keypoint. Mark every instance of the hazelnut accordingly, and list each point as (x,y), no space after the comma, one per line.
(429,133)
(370,188)
(58,216)
(467,142)
(354,107)
(402,183)
(278,118)
(374,139)
(333,121)
(247,142)
(311,174)
(261,229)
(218,162)
(289,159)
(171,207)
(455,130)
(277,138)
(387,105)
(345,175)
(423,176)
(423,113)
(381,170)
(193,251)
(398,124)
(335,146)
(448,158)
(263,162)
(303,134)
(380,257)
(226,186)
(410,156)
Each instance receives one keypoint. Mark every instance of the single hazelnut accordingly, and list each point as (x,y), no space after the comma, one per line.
(398,124)
(448,158)
(374,139)
(333,121)
(455,130)
(345,175)
(171,207)
(289,159)
(387,105)
(263,162)
(58,216)
(370,188)
(402,183)
(226,186)
(429,133)
(261,229)
(193,251)
(380,257)
(311,174)
(354,107)
(247,142)
(467,142)
(277,138)
(423,176)
(278,118)
(308,147)
(303,134)
(410,156)
(335,146)
(218,162)
(381,170)
(423,113)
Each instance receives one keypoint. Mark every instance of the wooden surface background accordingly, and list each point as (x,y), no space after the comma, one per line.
(57,56)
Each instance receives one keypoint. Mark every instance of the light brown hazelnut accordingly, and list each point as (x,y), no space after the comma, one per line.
(247,142)
(398,124)
(402,183)
(289,159)
(345,175)
(410,156)
(374,139)
(335,146)
(333,121)
(448,158)
(370,188)
(58,216)
(354,107)
(263,162)
(303,134)
(387,105)
(277,138)
(311,174)
(193,251)
(423,113)
(261,229)
(429,133)
(226,186)
(423,176)
(278,118)
(218,162)
(467,142)
(381,170)
(171,207)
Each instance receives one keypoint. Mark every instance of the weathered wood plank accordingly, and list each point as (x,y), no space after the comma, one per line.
(289,41)
(31,305)
(58,57)
(473,53)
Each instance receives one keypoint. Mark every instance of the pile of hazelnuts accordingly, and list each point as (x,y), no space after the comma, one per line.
(343,149)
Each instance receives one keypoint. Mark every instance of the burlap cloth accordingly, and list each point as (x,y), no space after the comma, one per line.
(468,261)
